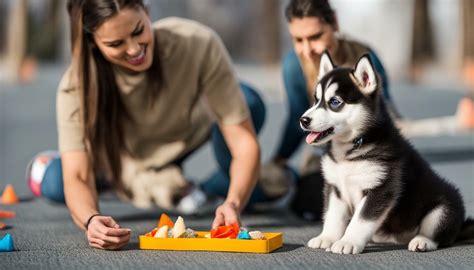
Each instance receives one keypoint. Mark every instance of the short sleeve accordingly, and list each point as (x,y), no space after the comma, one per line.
(69,125)
(219,83)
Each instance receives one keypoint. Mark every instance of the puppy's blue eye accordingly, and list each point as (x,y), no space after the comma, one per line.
(335,102)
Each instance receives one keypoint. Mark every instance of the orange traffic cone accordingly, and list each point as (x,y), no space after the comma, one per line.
(9,196)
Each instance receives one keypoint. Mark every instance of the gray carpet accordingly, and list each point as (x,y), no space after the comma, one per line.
(46,238)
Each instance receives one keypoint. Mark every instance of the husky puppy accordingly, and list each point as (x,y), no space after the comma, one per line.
(377,187)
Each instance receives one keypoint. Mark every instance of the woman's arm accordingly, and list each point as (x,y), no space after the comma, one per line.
(79,187)
(81,198)
(245,151)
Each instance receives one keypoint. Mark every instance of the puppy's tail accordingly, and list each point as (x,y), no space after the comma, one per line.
(467,230)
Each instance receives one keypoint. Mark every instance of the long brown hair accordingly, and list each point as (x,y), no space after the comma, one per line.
(102,110)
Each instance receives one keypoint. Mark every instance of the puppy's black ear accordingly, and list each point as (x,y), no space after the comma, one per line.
(325,65)
(365,75)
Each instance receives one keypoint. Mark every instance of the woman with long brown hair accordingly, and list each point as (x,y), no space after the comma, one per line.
(136,101)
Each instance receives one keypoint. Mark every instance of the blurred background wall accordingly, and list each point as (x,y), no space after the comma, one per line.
(255,32)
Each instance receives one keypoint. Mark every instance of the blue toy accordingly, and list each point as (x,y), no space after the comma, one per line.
(244,235)
(6,244)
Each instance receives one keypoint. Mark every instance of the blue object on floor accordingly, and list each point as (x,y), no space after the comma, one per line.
(244,235)
(6,244)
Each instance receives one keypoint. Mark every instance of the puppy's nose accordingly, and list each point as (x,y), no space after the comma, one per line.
(305,121)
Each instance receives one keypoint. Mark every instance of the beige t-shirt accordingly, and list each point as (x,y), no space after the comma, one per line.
(200,88)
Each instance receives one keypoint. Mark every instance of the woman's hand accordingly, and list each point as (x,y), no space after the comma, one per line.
(226,214)
(104,233)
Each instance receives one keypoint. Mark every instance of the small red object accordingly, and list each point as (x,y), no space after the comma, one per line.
(228,231)
(7,214)
(152,233)
(2,226)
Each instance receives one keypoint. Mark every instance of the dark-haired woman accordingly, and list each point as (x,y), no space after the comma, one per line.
(136,101)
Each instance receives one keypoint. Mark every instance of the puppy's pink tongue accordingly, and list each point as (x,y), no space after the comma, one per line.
(312,137)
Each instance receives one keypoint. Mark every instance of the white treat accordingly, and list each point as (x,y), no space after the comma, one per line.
(162,232)
(256,235)
(179,228)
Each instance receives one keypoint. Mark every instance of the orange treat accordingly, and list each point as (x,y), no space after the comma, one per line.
(165,220)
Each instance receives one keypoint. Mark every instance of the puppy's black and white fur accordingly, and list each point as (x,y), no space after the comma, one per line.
(377,187)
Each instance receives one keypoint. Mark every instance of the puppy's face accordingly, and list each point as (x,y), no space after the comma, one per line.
(343,101)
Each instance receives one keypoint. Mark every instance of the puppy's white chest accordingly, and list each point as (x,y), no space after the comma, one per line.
(352,177)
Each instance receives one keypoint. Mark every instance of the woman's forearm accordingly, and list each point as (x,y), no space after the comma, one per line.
(81,199)
(244,165)
(79,186)
(243,175)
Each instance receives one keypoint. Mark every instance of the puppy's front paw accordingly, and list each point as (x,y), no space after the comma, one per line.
(421,243)
(320,241)
(347,247)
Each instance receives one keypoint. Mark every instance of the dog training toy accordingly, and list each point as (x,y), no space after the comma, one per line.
(231,238)
(44,174)
(244,235)
(7,214)
(9,195)
(6,244)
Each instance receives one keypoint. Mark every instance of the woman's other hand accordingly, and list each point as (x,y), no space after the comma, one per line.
(104,233)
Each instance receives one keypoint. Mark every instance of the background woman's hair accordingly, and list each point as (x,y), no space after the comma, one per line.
(310,8)
(102,110)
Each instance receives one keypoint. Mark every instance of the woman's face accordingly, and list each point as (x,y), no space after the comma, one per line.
(126,40)
(311,37)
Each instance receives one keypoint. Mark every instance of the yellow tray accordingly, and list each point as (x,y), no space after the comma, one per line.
(271,242)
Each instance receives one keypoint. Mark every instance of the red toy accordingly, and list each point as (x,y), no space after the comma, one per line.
(229,231)
(6,214)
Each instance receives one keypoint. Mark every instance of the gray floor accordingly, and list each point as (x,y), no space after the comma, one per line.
(45,237)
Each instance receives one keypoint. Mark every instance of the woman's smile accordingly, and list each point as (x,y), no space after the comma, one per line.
(139,59)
